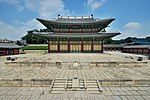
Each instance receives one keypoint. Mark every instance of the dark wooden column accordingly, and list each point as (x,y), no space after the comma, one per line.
(68,45)
(102,46)
(142,50)
(81,28)
(91,28)
(48,46)
(13,51)
(82,46)
(59,29)
(68,28)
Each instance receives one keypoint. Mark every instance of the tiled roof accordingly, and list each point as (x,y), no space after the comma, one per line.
(75,21)
(85,20)
(100,35)
(9,45)
(138,46)
(65,20)
(115,45)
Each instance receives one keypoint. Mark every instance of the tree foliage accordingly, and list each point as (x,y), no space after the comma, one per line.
(126,40)
(32,39)
(148,38)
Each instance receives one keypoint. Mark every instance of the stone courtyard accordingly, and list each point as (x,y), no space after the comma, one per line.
(75,76)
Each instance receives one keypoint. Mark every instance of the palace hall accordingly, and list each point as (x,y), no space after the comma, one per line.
(76,34)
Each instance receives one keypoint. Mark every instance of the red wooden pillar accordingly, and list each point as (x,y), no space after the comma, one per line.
(92,45)
(68,45)
(102,46)
(4,52)
(58,44)
(48,46)
(82,45)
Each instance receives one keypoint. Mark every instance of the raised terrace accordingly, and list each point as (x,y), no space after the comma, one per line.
(82,76)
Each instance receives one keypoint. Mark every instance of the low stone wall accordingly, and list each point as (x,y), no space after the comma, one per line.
(48,82)
(125,82)
(25,82)
(33,64)
(118,64)
(92,64)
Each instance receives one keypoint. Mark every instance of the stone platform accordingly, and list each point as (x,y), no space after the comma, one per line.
(74,76)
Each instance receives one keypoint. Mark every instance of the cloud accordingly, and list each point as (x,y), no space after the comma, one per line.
(14,32)
(94,4)
(10,32)
(108,29)
(131,29)
(132,26)
(45,8)
(18,4)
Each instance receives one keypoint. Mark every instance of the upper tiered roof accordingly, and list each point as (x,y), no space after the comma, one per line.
(76,27)
(76,20)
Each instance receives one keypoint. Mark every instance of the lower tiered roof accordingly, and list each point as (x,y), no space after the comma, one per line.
(77,35)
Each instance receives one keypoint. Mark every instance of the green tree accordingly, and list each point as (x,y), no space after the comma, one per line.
(148,38)
(32,39)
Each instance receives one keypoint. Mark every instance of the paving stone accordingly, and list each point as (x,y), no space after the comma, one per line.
(124,98)
(34,97)
(12,92)
(44,67)
(146,97)
(24,97)
(115,93)
(130,98)
(2,96)
(129,93)
(7,97)
(116,98)
(138,97)
(54,72)
(107,93)
(109,98)
(122,93)
(15,97)
(3,92)
(135,92)
(143,92)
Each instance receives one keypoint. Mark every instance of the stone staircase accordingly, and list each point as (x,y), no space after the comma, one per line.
(75,85)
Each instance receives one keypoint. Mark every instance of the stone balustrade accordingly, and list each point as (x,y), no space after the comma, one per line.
(47,82)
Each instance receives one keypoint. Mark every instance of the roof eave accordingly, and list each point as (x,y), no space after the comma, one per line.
(99,35)
(51,22)
(7,47)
